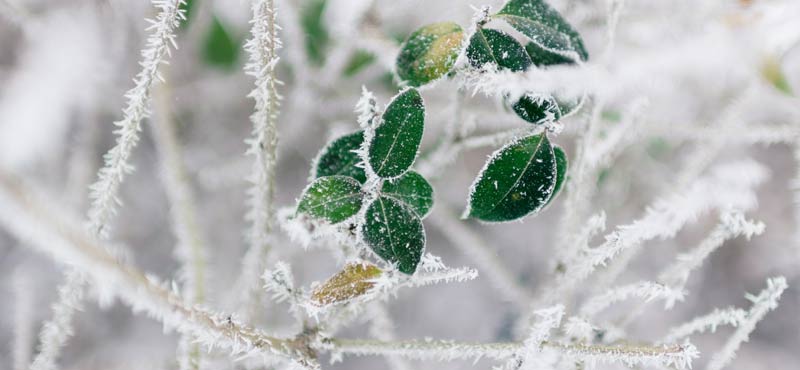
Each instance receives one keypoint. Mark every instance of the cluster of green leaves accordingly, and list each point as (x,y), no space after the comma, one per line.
(373,180)
(527,173)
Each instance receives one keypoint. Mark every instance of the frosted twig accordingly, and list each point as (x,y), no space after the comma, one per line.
(732,224)
(547,319)
(679,356)
(764,302)
(263,49)
(104,191)
(443,350)
(382,328)
(644,289)
(50,230)
(446,350)
(280,282)
(533,354)
(191,247)
(58,330)
(728,186)
(729,316)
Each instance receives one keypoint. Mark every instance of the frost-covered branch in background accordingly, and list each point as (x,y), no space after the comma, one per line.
(732,224)
(104,192)
(724,187)
(117,161)
(263,51)
(728,316)
(54,232)
(58,330)
(764,302)
(646,290)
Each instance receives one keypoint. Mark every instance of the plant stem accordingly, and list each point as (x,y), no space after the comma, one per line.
(263,48)
(191,248)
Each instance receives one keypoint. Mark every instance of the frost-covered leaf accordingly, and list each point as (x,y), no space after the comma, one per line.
(516,181)
(411,189)
(537,109)
(429,53)
(561,171)
(316,35)
(541,57)
(220,49)
(334,198)
(339,158)
(395,233)
(354,280)
(543,26)
(498,47)
(394,147)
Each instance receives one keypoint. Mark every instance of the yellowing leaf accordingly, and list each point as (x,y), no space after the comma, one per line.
(353,281)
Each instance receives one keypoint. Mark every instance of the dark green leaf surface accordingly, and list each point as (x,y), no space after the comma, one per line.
(316,35)
(334,198)
(493,46)
(542,57)
(543,25)
(339,158)
(413,190)
(429,53)
(515,182)
(561,172)
(220,49)
(395,233)
(537,109)
(394,147)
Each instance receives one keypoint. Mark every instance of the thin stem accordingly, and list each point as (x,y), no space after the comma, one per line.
(263,48)
(191,247)
(104,192)
(447,350)
(33,218)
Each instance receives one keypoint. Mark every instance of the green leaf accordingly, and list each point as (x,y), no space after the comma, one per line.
(339,158)
(394,147)
(543,58)
(316,35)
(334,198)
(395,233)
(544,26)
(429,53)
(413,190)
(219,48)
(358,61)
(561,172)
(516,181)
(537,109)
(498,47)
